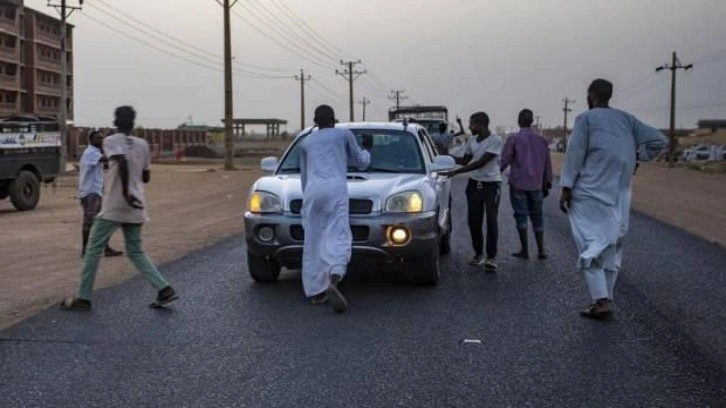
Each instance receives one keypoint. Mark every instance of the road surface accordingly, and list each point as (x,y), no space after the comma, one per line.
(231,343)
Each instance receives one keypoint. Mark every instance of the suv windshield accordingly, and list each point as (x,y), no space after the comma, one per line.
(394,151)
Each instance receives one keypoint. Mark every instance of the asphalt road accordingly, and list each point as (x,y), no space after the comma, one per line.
(229,342)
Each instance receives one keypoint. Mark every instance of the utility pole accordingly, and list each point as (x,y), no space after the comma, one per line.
(566,109)
(673,67)
(397,97)
(364,102)
(302,78)
(349,73)
(228,107)
(65,11)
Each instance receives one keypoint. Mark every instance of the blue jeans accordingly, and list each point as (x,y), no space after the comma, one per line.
(527,204)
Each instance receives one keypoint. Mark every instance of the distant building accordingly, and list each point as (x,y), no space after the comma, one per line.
(30,62)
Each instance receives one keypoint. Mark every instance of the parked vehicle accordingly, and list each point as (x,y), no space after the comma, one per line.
(399,207)
(29,155)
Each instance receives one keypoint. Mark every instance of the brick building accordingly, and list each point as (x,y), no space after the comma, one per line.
(30,62)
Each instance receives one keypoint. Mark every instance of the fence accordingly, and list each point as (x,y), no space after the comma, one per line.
(163,143)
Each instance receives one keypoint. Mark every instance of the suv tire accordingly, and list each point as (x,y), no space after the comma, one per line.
(262,269)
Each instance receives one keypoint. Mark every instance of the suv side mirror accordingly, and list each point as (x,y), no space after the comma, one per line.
(443,163)
(269,164)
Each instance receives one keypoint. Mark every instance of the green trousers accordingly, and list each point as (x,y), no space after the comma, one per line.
(100,234)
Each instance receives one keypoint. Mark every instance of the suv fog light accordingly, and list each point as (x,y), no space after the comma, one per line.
(266,234)
(398,235)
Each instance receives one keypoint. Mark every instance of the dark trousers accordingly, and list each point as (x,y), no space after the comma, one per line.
(483,198)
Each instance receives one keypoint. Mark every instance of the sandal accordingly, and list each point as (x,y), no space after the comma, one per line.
(319,299)
(592,312)
(75,304)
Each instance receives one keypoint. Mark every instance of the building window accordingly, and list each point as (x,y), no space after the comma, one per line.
(8,13)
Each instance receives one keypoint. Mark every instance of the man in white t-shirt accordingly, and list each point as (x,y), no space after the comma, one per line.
(123,207)
(483,192)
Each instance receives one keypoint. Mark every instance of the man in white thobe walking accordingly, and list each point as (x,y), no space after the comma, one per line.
(324,158)
(596,188)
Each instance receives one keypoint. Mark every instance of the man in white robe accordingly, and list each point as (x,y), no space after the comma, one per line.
(596,188)
(324,158)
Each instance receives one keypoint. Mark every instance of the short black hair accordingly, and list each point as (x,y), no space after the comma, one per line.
(324,116)
(526,118)
(481,118)
(125,117)
(93,134)
(442,127)
(602,89)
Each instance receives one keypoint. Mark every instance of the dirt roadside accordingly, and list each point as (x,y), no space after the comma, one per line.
(688,199)
(190,207)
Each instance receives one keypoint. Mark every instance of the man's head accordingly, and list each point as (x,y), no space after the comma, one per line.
(526,118)
(479,123)
(442,127)
(324,117)
(95,138)
(125,117)
(599,93)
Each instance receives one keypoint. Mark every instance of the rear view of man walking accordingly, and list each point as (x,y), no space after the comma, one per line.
(123,207)
(596,182)
(530,179)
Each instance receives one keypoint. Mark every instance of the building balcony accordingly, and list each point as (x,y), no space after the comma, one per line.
(10,82)
(48,64)
(10,54)
(11,26)
(9,109)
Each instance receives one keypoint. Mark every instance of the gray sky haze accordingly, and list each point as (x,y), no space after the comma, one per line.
(496,55)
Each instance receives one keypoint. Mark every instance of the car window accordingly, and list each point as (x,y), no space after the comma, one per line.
(394,151)
(425,142)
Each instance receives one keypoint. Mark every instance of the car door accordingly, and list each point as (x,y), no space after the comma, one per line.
(440,184)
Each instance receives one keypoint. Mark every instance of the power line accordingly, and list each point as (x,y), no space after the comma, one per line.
(306,27)
(281,44)
(674,66)
(284,27)
(351,75)
(167,52)
(177,39)
(326,89)
(272,28)
(396,96)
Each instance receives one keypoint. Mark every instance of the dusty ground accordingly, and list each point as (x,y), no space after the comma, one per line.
(190,208)
(689,199)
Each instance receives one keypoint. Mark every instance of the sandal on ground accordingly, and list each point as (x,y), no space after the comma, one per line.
(319,299)
(75,304)
(592,312)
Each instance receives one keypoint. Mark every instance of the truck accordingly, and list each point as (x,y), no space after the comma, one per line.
(428,116)
(30,148)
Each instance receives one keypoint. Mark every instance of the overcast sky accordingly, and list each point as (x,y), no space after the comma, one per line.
(495,55)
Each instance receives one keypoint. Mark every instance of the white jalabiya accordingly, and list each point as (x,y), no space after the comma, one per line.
(599,164)
(324,159)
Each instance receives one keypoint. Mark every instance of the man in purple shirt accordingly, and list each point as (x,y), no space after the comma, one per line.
(530,179)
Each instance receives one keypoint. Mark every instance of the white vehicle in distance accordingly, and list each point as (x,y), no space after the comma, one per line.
(400,211)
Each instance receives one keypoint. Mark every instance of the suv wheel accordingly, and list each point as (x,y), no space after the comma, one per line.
(426,270)
(445,247)
(25,191)
(262,269)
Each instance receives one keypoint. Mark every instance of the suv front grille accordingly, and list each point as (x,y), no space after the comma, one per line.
(360,232)
(357,206)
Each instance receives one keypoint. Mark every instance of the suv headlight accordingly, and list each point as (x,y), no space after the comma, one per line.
(261,202)
(406,202)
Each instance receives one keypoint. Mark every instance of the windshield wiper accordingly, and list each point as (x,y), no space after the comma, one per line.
(380,170)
